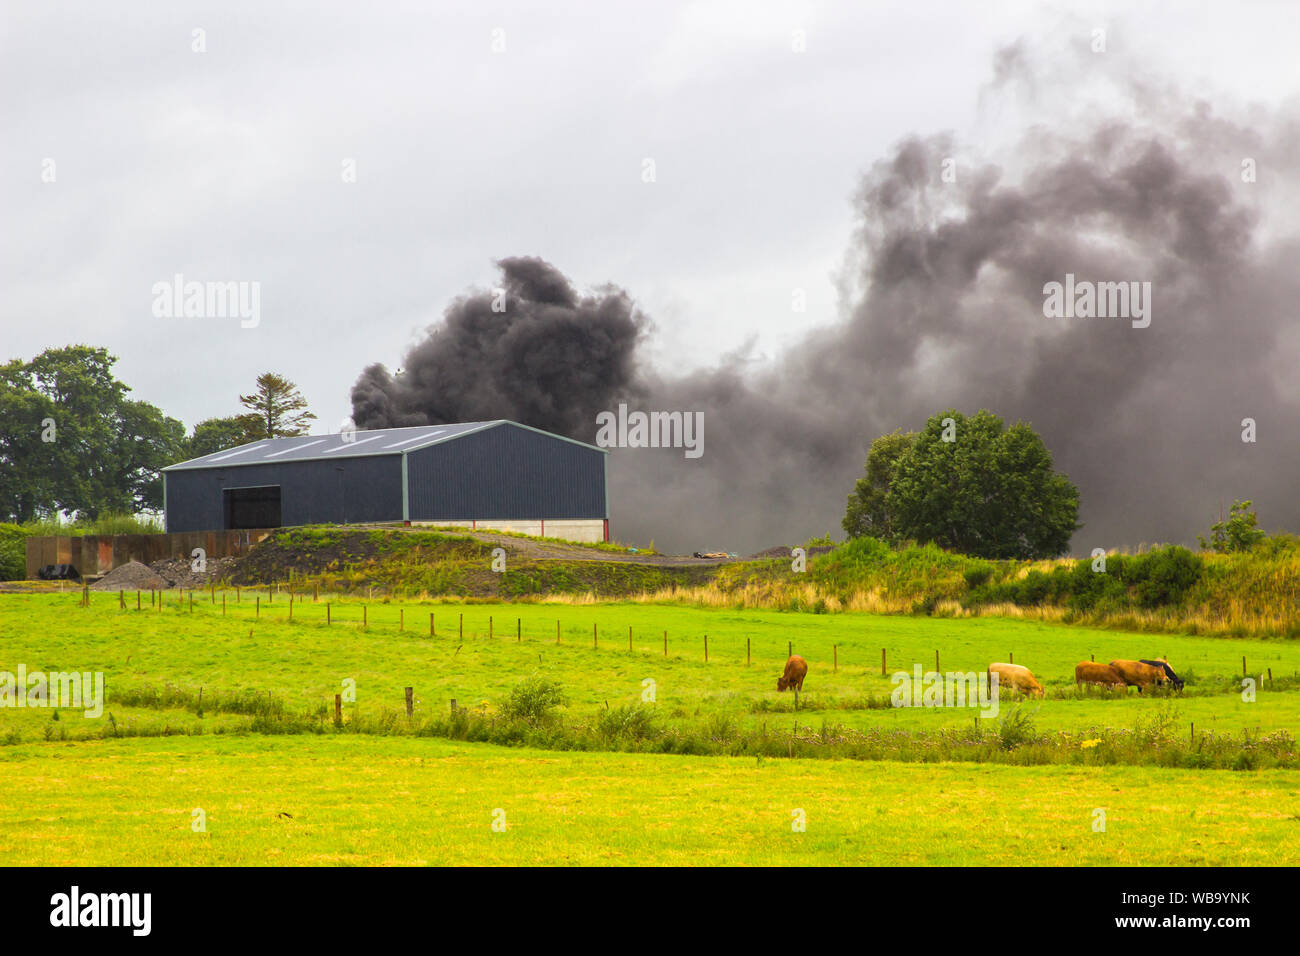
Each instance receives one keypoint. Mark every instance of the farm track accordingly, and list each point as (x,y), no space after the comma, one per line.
(543,550)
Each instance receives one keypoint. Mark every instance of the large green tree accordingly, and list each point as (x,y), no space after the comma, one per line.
(868,512)
(975,486)
(277,409)
(72,441)
(217,434)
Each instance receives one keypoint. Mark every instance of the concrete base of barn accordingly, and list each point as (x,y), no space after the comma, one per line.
(582,531)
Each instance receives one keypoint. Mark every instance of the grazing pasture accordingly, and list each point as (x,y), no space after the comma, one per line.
(387,800)
(300,664)
(235,714)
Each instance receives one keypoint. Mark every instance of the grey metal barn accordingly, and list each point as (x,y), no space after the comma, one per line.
(497,474)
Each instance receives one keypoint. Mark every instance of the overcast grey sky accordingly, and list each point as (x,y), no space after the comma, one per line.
(226,164)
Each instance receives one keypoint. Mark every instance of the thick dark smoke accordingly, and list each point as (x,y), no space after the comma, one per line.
(946,310)
(532,351)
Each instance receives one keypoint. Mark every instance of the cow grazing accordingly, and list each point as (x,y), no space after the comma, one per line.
(1139,674)
(1163,664)
(1017,678)
(1103,675)
(796,669)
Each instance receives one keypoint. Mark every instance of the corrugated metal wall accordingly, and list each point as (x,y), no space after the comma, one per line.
(311,492)
(506,472)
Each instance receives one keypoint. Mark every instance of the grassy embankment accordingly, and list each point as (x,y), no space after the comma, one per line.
(194,672)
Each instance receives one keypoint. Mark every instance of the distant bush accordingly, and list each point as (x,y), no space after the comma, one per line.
(1162,576)
(627,722)
(533,700)
(13,552)
(978,575)
(107,523)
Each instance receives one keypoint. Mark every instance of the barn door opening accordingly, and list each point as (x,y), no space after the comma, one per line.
(252,507)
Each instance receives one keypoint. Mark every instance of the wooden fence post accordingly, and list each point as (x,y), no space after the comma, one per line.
(327,612)
(338,710)
(315,592)
(223,603)
(706,648)
(462,625)
(432,632)
(257,612)
(629,638)
(789,648)
(1243,665)
(121,599)
(489,626)
(747,657)
(365,622)
(595,637)
(401,618)
(936,662)
(410,701)
(1012,660)
(519,629)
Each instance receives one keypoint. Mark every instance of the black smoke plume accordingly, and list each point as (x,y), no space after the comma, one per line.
(944,308)
(533,351)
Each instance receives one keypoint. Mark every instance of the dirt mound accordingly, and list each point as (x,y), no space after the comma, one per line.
(784,551)
(132,576)
(181,573)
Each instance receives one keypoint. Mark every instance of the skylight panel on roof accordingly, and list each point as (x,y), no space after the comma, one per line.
(285,451)
(350,444)
(399,444)
(239,451)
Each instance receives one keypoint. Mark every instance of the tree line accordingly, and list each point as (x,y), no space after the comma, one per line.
(73,441)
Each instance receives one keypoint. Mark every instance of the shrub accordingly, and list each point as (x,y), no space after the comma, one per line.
(627,722)
(1163,575)
(13,552)
(533,699)
(1015,727)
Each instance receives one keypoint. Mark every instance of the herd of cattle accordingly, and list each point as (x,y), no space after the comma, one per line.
(1116,674)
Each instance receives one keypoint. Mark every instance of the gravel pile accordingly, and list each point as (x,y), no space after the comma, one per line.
(179,571)
(132,576)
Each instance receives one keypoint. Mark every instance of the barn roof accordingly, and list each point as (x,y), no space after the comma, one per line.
(360,444)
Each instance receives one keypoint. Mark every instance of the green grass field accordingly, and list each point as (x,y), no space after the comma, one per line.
(375,799)
(355,800)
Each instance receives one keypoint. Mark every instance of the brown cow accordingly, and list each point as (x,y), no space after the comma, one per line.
(796,669)
(1139,675)
(1017,678)
(1103,675)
